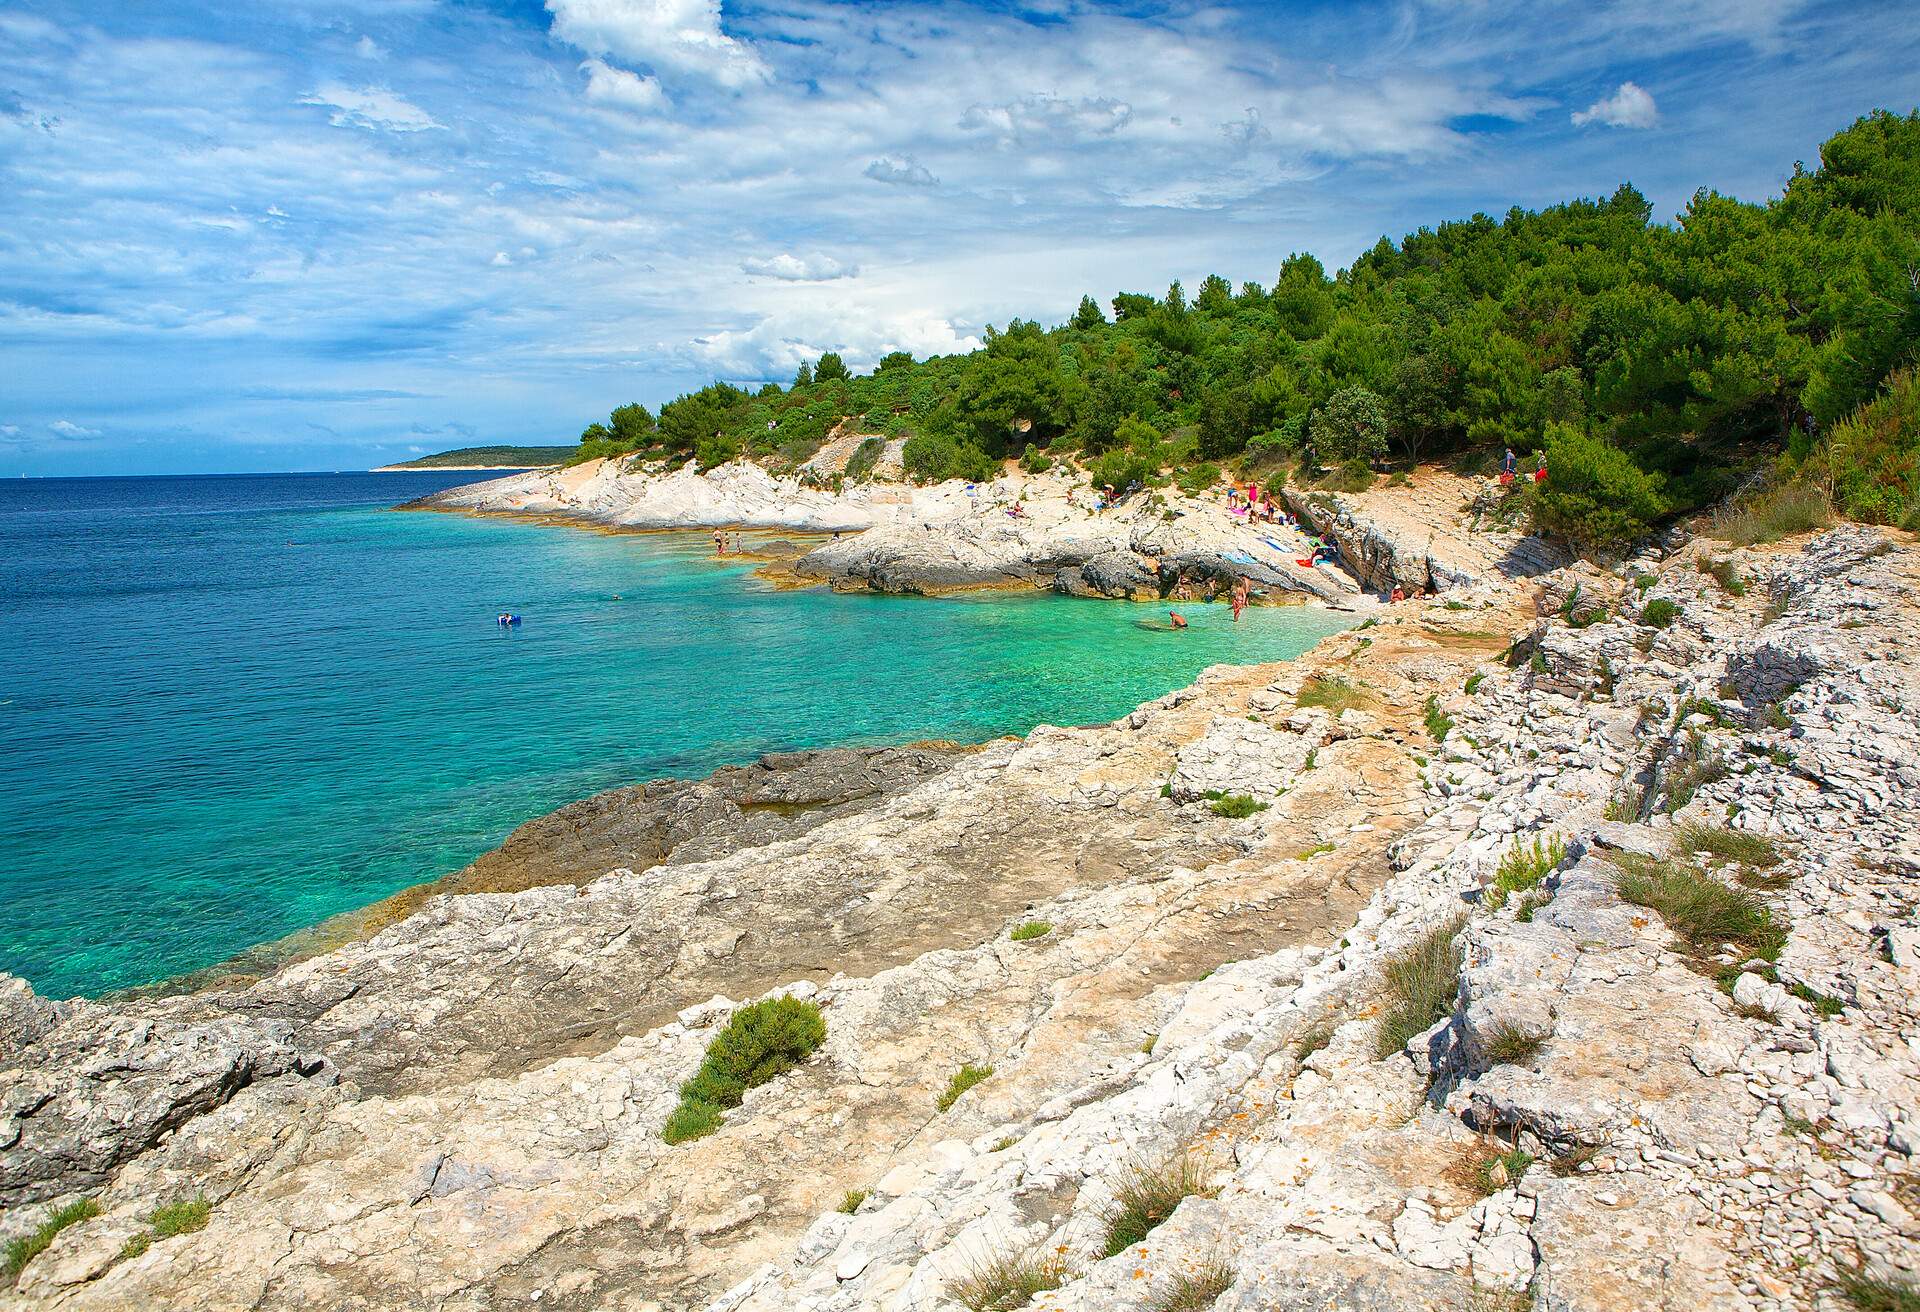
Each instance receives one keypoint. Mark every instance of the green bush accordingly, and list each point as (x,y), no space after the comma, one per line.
(1439,723)
(963,1079)
(1523,866)
(1509,1044)
(1658,613)
(1031,930)
(936,457)
(860,464)
(717,450)
(850,1202)
(1595,496)
(24,1249)
(1871,459)
(761,1041)
(1422,983)
(1198,1289)
(1734,845)
(1236,806)
(1034,460)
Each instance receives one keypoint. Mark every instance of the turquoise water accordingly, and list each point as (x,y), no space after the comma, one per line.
(232,707)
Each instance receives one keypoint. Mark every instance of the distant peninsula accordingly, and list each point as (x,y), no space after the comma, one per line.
(487,457)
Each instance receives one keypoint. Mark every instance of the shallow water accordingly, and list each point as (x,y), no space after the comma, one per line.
(232,707)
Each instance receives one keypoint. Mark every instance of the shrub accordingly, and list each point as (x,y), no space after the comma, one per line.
(1724,845)
(850,1203)
(1009,1280)
(1658,613)
(1699,909)
(1236,806)
(1473,683)
(1696,766)
(1777,512)
(24,1249)
(1523,866)
(1316,1038)
(1872,457)
(1422,983)
(1509,1044)
(1031,929)
(1197,479)
(1439,723)
(1147,1196)
(1721,571)
(761,1041)
(860,464)
(1317,849)
(963,1079)
(1334,693)
(1595,496)
(1034,460)
(1198,1289)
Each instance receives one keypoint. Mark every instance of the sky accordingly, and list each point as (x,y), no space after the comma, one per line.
(326,234)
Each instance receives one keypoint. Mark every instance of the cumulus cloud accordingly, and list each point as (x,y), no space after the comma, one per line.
(1629,107)
(66,428)
(616,86)
(680,36)
(367,48)
(901,170)
(799,268)
(776,346)
(372,108)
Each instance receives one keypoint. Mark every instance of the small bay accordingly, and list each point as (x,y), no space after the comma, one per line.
(231,707)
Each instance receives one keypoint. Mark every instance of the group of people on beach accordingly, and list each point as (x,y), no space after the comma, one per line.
(1238,596)
(1258,505)
(723,542)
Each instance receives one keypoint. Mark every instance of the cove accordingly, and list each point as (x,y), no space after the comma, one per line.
(235,706)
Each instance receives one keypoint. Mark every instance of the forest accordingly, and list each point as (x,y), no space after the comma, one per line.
(1659,367)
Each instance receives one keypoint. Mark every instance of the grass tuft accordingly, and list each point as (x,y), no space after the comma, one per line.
(1509,1044)
(1439,723)
(1334,693)
(24,1249)
(1236,806)
(1148,1195)
(1721,571)
(1196,1290)
(180,1218)
(1699,909)
(1318,849)
(1030,930)
(850,1203)
(1724,845)
(761,1041)
(1872,1293)
(1503,1170)
(1574,1160)
(963,1079)
(1422,983)
(1009,1280)
(1313,1040)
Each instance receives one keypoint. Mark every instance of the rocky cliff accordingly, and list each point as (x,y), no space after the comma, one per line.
(1505,952)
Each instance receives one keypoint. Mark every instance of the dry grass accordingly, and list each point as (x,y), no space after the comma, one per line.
(1770,515)
(1509,1044)
(1700,910)
(1725,845)
(1335,693)
(1196,1290)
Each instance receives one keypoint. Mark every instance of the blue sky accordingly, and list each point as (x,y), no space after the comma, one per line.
(317,234)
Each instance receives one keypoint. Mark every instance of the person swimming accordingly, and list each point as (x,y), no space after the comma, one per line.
(1179,620)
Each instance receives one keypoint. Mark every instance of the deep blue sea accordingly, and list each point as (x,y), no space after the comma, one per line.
(231,707)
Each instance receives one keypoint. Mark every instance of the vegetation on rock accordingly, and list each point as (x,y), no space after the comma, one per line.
(761,1041)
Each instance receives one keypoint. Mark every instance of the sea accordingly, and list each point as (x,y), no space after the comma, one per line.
(234,706)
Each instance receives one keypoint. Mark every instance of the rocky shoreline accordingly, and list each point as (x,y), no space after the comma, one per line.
(1610,1103)
(1039,531)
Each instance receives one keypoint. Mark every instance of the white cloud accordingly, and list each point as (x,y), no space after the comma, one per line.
(616,86)
(501,260)
(1049,118)
(682,36)
(1629,107)
(799,268)
(66,428)
(371,108)
(367,48)
(901,170)
(774,347)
